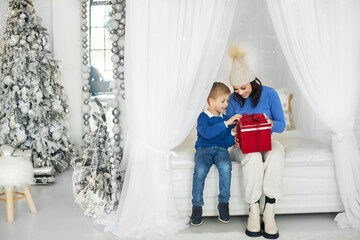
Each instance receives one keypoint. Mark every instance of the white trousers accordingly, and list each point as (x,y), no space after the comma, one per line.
(262,172)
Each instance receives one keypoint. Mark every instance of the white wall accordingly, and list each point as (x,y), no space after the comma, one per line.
(67,48)
(3,13)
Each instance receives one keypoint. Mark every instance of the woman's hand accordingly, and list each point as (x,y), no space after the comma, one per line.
(271,121)
(233,119)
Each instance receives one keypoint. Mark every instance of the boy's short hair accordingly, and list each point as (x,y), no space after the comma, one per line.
(218,89)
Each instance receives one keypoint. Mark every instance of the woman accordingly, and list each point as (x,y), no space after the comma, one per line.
(262,171)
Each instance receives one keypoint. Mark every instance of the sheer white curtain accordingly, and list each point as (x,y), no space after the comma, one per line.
(320,40)
(173,52)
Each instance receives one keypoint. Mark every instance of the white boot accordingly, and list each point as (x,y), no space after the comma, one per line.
(268,225)
(253,226)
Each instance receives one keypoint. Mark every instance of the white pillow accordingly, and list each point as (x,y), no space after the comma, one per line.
(285,97)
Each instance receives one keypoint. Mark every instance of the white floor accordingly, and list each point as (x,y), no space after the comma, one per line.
(59,217)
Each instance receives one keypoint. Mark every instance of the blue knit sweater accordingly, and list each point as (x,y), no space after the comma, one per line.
(212,131)
(269,104)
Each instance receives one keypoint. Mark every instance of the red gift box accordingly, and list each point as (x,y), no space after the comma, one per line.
(254,133)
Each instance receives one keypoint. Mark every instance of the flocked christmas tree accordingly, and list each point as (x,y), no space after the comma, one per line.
(97,177)
(33,106)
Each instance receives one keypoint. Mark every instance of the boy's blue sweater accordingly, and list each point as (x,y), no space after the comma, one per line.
(213,131)
(269,104)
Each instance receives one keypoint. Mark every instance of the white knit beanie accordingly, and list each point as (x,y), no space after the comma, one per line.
(240,73)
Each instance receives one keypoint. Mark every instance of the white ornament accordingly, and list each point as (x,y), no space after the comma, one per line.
(115,58)
(39,96)
(44,130)
(8,80)
(114,103)
(121,68)
(57,107)
(118,16)
(25,109)
(86,108)
(121,42)
(56,135)
(116,91)
(117,149)
(114,37)
(5,130)
(85,68)
(30,39)
(85,95)
(85,75)
(116,129)
(86,128)
(21,137)
(15,38)
(114,24)
(112,84)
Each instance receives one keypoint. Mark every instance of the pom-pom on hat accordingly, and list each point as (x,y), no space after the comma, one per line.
(240,73)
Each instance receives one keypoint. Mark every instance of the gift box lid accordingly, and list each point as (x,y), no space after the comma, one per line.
(250,122)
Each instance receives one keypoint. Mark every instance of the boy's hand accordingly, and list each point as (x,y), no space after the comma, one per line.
(236,142)
(233,119)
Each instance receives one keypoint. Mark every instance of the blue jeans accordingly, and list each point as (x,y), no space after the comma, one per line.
(205,157)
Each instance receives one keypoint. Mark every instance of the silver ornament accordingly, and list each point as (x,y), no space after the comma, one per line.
(115,120)
(86,116)
(84,28)
(122,76)
(121,52)
(121,26)
(114,49)
(117,137)
(86,88)
(115,112)
(122,86)
(86,123)
(120,32)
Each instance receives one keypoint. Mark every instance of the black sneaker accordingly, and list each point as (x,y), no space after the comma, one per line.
(196,216)
(224,215)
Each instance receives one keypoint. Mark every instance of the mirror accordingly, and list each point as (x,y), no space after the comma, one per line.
(103,29)
(97,175)
(101,68)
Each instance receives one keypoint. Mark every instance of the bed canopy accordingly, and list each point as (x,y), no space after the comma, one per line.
(171,65)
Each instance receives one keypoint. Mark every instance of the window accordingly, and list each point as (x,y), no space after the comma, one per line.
(100,46)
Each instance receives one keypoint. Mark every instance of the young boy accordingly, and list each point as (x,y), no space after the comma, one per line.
(214,138)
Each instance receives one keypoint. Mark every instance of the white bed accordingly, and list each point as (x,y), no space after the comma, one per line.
(309,183)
